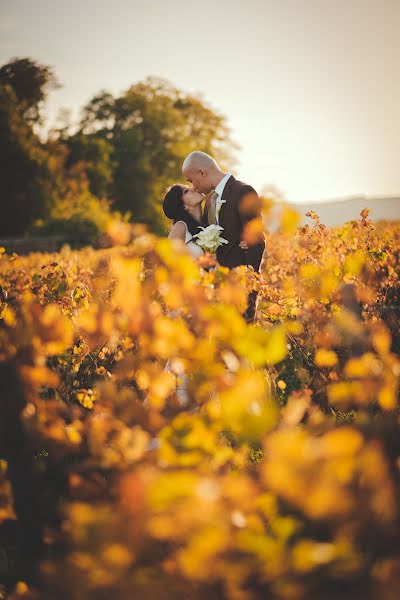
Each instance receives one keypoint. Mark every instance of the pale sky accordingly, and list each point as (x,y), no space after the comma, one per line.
(310,88)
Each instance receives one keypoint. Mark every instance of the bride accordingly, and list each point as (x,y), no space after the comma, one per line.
(178,201)
(183,206)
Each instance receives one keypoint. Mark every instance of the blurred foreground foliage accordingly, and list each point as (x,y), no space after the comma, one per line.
(278,478)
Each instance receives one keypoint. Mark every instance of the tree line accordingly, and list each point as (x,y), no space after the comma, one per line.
(120,156)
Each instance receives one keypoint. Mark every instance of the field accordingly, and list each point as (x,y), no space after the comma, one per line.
(278,477)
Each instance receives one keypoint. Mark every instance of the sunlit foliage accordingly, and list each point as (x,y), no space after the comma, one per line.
(277,476)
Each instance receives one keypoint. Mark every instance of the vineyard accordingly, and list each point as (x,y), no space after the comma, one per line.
(275,475)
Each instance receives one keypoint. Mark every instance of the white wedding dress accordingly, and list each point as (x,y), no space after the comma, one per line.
(182,379)
(194,249)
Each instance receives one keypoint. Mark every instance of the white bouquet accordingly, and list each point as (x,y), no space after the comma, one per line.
(209,238)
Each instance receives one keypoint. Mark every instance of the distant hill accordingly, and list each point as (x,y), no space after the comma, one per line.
(337,212)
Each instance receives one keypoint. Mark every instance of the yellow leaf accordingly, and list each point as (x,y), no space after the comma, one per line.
(329,284)
(381,340)
(198,557)
(354,263)
(253,232)
(40,376)
(246,408)
(363,366)
(387,397)
(345,392)
(308,554)
(309,271)
(289,220)
(160,388)
(9,317)
(117,555)
(325,358)
(86,398)
(262,346)
(341,442)
(73,435)
(170,488)
(294,327)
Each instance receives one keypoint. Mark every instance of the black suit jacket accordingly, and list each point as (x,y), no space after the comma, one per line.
(242,205)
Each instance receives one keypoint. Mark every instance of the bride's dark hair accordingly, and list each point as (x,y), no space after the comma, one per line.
(174,209)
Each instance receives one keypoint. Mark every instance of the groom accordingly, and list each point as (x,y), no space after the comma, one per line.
(232,205)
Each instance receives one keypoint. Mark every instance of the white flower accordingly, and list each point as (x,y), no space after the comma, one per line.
(209,238)
(218,205)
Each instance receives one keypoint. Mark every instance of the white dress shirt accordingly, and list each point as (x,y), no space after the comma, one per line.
(219,190)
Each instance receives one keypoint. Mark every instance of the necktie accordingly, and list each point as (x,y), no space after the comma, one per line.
(211,208)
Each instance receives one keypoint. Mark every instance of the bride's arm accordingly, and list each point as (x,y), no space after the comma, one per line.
(178,232)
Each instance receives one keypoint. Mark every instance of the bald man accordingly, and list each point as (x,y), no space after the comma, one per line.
(232,206)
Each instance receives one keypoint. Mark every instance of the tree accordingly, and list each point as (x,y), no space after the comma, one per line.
(129,148)
(151,128)
(27,190)
(96,155)
(31,82)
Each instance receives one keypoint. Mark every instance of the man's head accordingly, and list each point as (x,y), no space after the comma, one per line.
(202,171)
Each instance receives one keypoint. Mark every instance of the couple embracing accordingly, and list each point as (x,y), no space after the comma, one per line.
(215,198)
